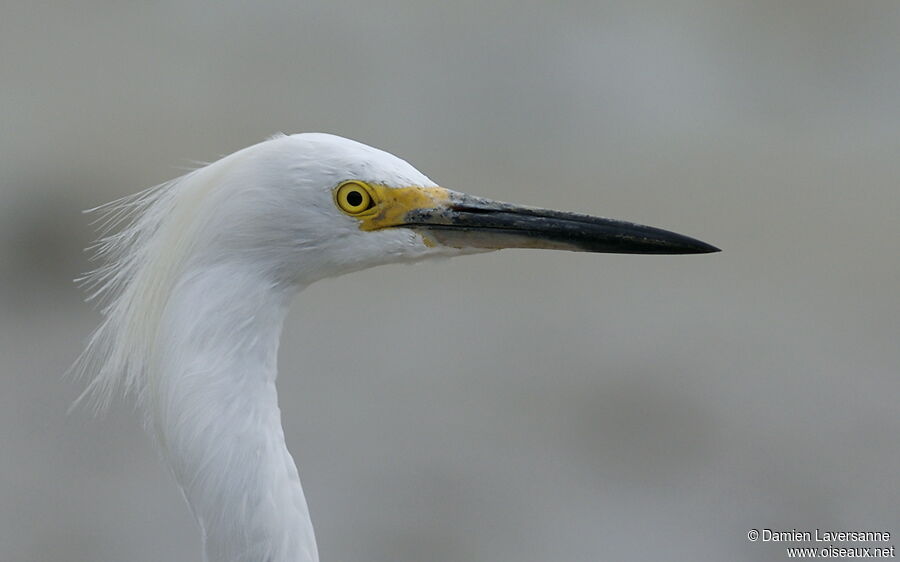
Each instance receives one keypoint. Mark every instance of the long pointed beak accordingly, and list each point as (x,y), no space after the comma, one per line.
(466,221)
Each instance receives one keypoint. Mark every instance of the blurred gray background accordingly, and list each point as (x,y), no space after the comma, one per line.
(578,406)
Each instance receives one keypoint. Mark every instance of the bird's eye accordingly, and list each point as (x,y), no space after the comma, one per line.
(353,198)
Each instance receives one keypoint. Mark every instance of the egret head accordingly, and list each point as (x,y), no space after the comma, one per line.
(309,206)
(287,212)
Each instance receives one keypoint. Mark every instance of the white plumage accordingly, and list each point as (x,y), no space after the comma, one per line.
(198,278)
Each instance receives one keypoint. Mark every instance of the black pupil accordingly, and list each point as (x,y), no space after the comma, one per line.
(355,198)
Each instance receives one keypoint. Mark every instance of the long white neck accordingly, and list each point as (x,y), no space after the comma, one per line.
(212,404)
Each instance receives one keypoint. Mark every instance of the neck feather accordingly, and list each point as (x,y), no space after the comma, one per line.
(212,404)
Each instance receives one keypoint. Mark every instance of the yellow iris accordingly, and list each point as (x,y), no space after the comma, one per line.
(353,197)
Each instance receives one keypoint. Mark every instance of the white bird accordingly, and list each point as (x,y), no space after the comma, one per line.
(197,281)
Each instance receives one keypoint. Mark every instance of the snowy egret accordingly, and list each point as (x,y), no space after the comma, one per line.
(197,277)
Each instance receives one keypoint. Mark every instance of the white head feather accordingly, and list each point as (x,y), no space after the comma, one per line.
(268,206)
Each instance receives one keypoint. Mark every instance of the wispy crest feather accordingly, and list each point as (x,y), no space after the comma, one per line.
(140,252)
